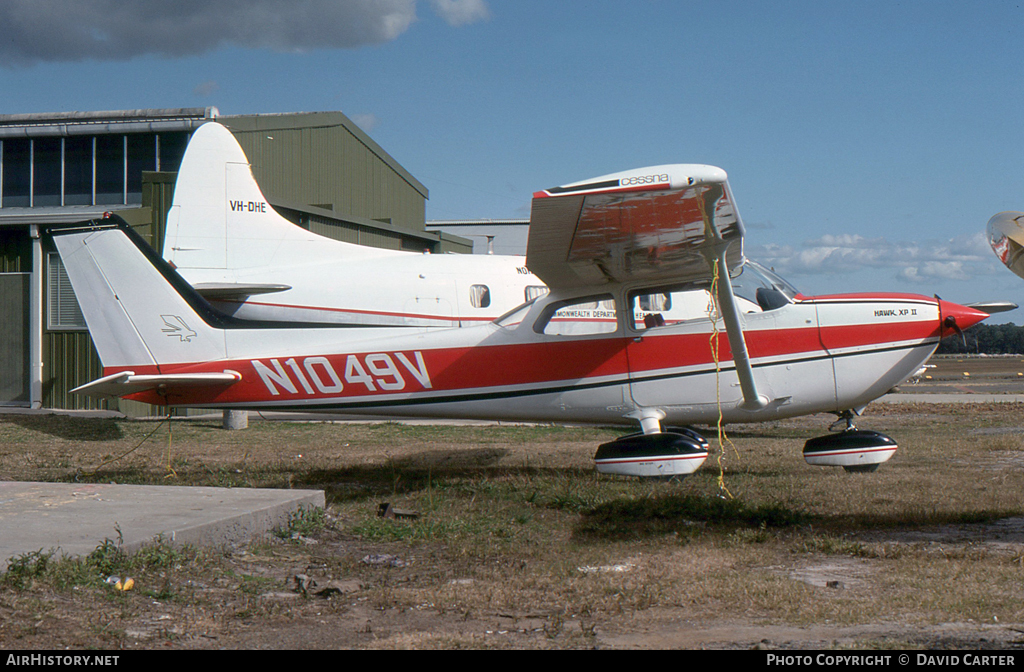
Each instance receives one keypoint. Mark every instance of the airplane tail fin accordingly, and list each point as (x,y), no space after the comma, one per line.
(140,313)
(220,219)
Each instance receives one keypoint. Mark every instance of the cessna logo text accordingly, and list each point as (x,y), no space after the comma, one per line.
(643,179)
(381,371)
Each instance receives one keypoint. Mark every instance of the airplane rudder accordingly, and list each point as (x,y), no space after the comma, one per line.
(132,306)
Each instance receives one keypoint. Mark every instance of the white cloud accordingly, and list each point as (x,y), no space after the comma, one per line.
(367,122)
(206,89)
(461,12)
(960,258)
(59,31)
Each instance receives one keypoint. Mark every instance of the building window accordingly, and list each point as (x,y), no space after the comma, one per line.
(480,296)
(64,313)
(83,169)
(78,170)
(172,149)
(46,172)
(110,169)
(141,156)
(17,173)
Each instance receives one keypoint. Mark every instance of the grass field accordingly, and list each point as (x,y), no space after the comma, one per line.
(518,543)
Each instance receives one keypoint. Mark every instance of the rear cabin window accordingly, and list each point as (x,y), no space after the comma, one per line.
(581,317)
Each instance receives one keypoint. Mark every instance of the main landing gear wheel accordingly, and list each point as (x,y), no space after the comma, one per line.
(855,450)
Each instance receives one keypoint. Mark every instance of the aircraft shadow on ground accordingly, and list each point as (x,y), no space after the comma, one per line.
(402,475)
(687,514)
(70,428)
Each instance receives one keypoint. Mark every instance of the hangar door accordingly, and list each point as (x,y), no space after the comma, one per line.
(14,339)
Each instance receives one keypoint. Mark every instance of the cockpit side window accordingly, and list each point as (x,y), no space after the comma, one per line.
(658,307)
(757,290)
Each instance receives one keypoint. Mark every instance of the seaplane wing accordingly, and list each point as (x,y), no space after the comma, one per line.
(663,223)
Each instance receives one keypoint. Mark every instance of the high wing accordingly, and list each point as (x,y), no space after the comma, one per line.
(669,224)
(663,223)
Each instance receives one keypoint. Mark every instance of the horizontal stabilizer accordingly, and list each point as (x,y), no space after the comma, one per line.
(126,382)
(230,291)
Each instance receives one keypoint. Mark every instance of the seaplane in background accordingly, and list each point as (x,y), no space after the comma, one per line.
(248,261)
(620,254)
(1006,236)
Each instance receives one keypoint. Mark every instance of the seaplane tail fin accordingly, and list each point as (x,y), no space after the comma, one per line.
(140,313)
(220,220)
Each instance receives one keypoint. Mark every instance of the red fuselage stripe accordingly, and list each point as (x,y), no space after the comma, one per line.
(574,360)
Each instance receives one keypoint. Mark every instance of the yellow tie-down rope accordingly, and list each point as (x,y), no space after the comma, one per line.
(170,471)
(713,341)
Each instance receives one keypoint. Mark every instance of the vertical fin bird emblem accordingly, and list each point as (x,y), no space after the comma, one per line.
(175,326)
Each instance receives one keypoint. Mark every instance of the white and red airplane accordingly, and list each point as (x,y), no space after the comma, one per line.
(619,254)
(247,260)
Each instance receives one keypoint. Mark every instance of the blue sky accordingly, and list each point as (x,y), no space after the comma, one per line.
(867,143)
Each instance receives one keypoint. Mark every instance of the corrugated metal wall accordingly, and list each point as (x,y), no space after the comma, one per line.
(69,360)
(15,250)
(352,233)
(16,264)
(15,387)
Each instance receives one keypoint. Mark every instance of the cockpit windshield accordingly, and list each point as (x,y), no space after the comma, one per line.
(757,284)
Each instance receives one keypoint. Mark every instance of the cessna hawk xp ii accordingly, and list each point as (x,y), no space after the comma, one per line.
(654,318)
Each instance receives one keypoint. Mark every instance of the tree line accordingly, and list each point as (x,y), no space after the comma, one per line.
(990,339)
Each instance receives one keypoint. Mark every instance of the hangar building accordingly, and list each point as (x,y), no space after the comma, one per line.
(489,236)
(319,170)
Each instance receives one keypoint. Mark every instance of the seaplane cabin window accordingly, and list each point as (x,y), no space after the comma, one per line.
(480,296)
(535,291)
(580,317)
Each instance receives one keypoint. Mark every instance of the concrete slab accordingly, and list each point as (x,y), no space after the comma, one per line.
(950,398)
(76,518)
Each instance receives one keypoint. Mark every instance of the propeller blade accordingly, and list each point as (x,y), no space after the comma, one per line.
(950,323)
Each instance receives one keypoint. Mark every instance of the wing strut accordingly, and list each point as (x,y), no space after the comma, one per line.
(752,400)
